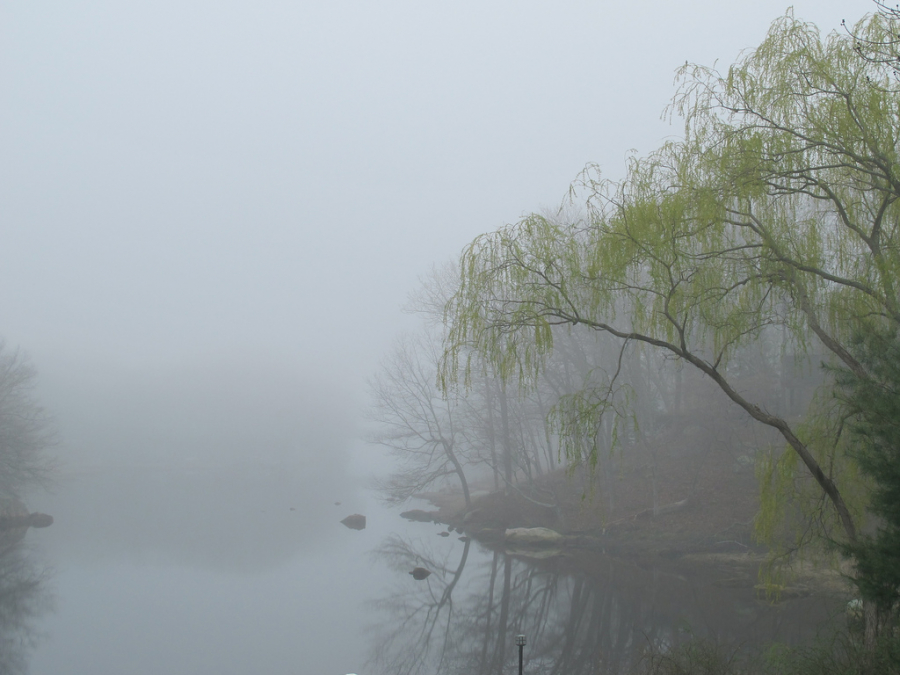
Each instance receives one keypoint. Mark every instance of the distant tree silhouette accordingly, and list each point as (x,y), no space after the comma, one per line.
(24,426)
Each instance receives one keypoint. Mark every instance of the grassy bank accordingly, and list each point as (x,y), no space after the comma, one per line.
(841,654)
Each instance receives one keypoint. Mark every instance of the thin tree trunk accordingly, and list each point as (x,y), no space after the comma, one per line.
(507,441)
(492,434)
(457,467)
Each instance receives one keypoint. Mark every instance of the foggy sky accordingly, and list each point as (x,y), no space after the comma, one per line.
(202,184)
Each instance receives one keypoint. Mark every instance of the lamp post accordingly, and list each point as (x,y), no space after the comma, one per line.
(520,641)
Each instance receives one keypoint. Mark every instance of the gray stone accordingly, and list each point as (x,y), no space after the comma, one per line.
(355,522)
(533,536)
(420,573)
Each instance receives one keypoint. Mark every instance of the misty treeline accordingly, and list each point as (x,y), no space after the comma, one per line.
(762,246)
(25,434)
(24,599)
(25,427)
(597,405)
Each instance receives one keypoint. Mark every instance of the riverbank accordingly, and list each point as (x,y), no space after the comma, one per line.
(697,519)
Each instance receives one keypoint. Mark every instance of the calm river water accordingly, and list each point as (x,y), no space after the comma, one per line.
(238,571)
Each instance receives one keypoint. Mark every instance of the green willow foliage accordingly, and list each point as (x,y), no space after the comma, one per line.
(776,212)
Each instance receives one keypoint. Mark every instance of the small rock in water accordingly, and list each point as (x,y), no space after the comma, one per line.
(337,503)
(420,573)
(464,538)
(443,534)
(355,522)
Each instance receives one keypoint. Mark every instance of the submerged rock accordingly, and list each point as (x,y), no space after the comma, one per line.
(355,522)
(420,573)
(420,516)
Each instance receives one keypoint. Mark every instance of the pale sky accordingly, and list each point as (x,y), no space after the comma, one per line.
(257,186)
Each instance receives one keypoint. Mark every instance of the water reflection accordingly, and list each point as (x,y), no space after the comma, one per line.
(24,599)
(464,618)
(214,572)
(421,638)
(246,520)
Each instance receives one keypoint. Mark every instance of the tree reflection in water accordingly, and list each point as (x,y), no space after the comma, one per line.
(24,598)
(465,620)
(422,630)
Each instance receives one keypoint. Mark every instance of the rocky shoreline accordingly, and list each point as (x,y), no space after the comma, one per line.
(668,540)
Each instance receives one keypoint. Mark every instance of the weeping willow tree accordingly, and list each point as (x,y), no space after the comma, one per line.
(776,212)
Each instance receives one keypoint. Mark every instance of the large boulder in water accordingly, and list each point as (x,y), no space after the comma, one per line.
(355,522)
(533,536)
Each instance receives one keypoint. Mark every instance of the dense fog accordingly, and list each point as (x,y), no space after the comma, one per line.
(187,186)
(229,237)
(252,411)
